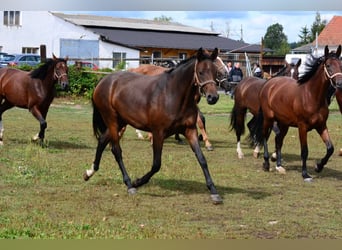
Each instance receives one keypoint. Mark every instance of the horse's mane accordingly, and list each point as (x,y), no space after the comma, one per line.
(42,70)
(312,65)
(180,64)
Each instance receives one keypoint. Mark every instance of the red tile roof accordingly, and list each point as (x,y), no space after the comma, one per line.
(332,33)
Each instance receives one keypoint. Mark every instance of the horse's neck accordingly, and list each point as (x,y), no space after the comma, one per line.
(318,84)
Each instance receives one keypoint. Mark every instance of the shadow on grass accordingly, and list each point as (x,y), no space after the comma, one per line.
(196,187)
(53,144)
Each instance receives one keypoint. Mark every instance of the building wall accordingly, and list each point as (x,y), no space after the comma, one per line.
(43,28)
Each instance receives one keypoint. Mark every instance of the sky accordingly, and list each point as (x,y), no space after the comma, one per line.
(251,25)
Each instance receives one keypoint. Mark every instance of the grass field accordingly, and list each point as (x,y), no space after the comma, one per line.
(43,194)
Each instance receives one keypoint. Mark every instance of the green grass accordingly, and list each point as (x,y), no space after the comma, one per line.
(43,194)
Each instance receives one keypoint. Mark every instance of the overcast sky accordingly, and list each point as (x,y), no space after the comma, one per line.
(252,25)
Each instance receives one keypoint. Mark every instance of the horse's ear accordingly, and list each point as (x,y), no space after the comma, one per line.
(299,62)
(326,51)
(338,52)
(53,56)
(200,54)
(214,54)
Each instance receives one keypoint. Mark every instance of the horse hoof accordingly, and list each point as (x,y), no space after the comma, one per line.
(240,156)
(274,157)
(281,170)
(308,179)
(256,154)
(210,148)
(216,198)
(132,191)
(266,167)
(318,169)
(340,152)
(86,177)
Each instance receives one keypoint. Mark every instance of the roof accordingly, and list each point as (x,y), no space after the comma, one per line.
(130,23)
(141,33)
(332,33)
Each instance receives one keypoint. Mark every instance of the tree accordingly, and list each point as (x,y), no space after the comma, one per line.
(276,40)
(304,36)
(317,27)
(163,18)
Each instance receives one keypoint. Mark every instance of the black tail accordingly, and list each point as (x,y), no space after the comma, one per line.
(256,130)
(99,126)
(239,128)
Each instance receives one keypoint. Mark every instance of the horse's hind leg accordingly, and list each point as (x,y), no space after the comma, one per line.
(158,141)
(201,126)
(43,124)
(279,139)
(102,142)
(3,107)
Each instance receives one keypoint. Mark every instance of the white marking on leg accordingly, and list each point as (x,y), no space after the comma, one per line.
(36,137)
(139,134)
(256,151)
(239,150)
(90,172)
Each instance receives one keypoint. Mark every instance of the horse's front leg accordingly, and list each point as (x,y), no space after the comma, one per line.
(192,137)
(304,152)
(43,124)
(157,145)
(330,150)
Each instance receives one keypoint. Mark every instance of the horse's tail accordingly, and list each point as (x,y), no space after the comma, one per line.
(99,126)
(256,135)
(234,125)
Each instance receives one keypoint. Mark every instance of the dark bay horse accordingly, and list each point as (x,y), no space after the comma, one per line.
(221,79)
(32,90)
(163,104)
(246,98)
(299,104)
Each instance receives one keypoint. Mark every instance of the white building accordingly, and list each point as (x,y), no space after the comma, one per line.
(26,31)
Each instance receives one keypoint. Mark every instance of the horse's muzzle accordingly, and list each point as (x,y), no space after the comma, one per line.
(64,84)
(212,99)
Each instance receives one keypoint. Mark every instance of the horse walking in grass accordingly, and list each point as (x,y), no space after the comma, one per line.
(301,104)
(163,104)
(246,98)
(34,90)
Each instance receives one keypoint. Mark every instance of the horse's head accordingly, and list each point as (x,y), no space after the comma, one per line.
(291,69)
(205,74)
(333,66)
(61,71)
(222,73)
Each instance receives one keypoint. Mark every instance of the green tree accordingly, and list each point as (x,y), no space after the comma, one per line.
(163,18)
(304,36)
(276,40)
(317,27)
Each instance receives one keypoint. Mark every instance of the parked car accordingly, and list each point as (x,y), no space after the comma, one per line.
(20,60)
(89,65)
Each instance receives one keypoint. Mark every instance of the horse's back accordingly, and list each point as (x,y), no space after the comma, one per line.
(247,93)
(148,69)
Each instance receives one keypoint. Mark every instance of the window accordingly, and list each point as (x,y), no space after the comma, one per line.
(118,57)
(182,55)
(29,50)
(12,18)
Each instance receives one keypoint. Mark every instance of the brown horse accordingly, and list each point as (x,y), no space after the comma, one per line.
(247,98)
(222,72)
(163,104)
(299,104)
(32,90)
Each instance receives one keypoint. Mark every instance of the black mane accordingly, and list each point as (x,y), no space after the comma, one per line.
(311,66)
